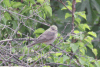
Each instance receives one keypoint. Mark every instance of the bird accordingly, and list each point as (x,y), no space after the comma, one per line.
(48,37)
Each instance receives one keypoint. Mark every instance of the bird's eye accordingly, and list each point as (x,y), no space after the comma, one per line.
(53,29)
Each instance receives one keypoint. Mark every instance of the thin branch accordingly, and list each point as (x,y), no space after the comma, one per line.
(25,17)
(58,64)
(64,5)
(1,1)
(60,49)
(73,11)
(17,39)
(12,56)
(65,28)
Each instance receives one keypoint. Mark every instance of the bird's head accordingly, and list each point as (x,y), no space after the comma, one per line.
(53,28)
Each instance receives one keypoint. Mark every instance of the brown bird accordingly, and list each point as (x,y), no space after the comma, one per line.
(48,37)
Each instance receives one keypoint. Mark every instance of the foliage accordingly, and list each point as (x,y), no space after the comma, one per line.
(28,19)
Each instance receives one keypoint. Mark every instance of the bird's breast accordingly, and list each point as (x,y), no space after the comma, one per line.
(52,40)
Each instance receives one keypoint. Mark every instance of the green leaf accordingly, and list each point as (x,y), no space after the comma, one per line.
(39,30)
(92,33)
(44,15)
(14,23)
(86,26)
(48,9)
(13,50)
(16,4)
(90,46)
(4,20)
(78,20)
(91,65)
(1,26)
(27,9)
(88,39)
(29,59)
(40,1)
(64,8)
(1,62)
(82,60)
(20,33)
(67,15)
(97,64)
(78,1)
(58,54)
(7,16)
(81,47)
(40,14)
(82,14)
(31,12)
(83,27)
(65,58)
(69,3)
(74,47)
(46,66)
(21,57)
(76,31)
(81,44)
(83,51)
(60,60)
(25,49)
(69,7)
(30,1)
(95,51)
(7,3)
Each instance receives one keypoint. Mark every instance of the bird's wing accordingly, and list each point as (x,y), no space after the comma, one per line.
(46,36)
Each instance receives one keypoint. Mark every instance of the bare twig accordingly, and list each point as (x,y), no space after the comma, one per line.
(18,39)
(73,11)
(64,5)
(1,1)
(58,64)
(25,17)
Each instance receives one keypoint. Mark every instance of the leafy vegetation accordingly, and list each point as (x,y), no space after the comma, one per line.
(78,23)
